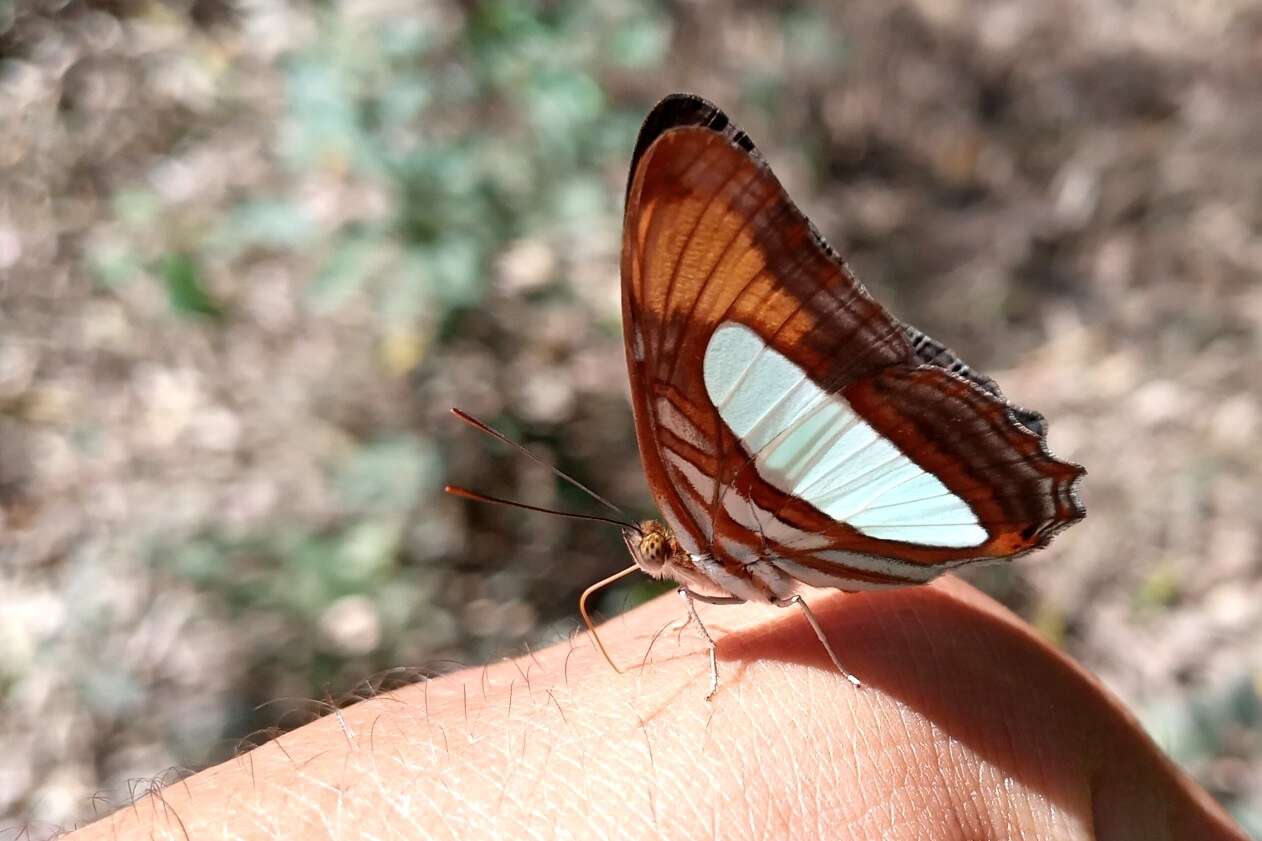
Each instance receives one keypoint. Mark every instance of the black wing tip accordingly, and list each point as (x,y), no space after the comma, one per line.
(682,100)
(682,110)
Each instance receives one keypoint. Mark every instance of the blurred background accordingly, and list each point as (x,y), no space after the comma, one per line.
(251,252)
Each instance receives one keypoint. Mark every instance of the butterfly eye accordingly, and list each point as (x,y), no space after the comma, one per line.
(653,549)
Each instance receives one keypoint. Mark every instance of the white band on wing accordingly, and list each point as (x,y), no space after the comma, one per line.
(815,446)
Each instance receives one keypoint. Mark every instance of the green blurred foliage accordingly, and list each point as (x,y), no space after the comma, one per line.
(185,288)
(1214,729)
(296,572)
(473,134)
(479,133)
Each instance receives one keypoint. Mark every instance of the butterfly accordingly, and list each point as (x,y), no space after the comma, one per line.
(791,430)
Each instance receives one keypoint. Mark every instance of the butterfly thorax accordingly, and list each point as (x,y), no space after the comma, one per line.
(657,551)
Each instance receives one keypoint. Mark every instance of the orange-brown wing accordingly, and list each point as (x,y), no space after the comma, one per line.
(781,412)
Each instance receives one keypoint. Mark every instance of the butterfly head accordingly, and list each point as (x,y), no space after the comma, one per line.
(652,547)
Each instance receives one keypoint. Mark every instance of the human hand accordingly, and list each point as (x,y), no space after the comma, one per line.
(968,726)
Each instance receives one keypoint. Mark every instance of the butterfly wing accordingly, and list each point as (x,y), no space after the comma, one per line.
(783,416)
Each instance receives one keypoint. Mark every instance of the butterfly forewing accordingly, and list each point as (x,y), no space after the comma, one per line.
(784,417)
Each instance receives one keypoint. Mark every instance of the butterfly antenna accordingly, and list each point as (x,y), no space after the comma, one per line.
(456,490)
(587,619)
(479,425)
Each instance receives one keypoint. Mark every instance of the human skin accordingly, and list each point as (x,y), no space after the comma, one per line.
(968,726)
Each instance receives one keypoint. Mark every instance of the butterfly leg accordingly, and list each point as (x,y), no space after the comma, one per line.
(690,598)
(679,626)
(819,633)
